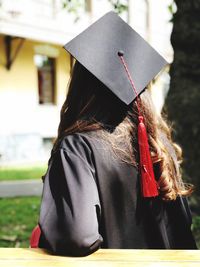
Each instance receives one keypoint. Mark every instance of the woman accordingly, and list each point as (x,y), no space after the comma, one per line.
(92,190)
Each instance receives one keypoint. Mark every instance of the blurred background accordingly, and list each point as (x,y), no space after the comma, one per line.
(34,72)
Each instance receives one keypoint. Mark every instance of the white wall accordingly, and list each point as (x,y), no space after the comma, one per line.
(40,20)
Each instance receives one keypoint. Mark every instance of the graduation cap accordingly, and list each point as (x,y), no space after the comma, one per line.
(125,63)
(97,49)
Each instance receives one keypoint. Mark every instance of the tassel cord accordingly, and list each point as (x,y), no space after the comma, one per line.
(148,182)
(132,84)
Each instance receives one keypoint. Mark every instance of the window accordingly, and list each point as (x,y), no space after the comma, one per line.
(46,79)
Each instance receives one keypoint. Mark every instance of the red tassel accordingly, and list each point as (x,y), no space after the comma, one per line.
(35,237)
(148,182)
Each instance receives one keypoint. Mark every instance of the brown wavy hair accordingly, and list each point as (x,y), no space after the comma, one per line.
(91,107)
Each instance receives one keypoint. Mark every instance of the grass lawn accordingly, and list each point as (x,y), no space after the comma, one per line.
(18,216)
(20,173)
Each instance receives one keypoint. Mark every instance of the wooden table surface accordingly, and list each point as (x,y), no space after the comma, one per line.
(21,257)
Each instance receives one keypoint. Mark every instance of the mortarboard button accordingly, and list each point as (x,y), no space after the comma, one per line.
(120,53)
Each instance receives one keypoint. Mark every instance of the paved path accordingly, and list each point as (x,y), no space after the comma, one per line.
(21,188)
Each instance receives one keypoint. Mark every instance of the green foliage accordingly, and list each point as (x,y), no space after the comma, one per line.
(74,6)
(196,229)
(119,6)
(18,218)
(172,10)
(183,100)
(20,173)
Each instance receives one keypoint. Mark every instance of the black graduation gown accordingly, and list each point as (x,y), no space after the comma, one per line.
(92,199)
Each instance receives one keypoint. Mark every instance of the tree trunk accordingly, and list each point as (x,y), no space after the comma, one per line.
(183,100)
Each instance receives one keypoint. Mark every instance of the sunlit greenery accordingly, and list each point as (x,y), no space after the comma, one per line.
(18,216)
(20,173)
(196,229)
(76,7)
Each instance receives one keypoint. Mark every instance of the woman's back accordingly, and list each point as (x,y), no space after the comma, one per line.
(90,194)
(109,141)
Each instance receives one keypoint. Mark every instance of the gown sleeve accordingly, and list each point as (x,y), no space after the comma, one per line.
(70,207)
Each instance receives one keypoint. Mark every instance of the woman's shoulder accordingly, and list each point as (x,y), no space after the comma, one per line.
(83,145)
(82,141)
(75,141)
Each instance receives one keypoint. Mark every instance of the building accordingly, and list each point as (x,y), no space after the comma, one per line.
(34,68)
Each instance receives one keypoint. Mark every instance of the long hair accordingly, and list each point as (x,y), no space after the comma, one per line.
(90,106)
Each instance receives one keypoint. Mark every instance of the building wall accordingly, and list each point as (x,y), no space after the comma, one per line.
(23,121)
(42,20)
(25,126)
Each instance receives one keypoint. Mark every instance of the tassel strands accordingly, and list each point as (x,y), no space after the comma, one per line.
(148,182)
(35,237)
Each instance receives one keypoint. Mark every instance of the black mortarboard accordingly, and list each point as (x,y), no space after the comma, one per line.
(97,49)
